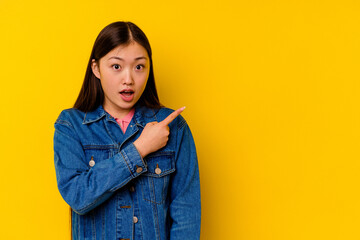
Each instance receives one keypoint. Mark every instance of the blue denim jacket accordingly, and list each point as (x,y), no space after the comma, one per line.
(116,194)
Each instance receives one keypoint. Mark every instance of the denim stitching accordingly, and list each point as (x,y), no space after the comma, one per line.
(163,190)
(99,147)
(152,188)
(141,235)
(64,122)
(154,115)
(181,123)
(156,217)
(103,221)
(78,216)
(163,173)
(108,131)
(144,186)
(93,225)
(157,154)
(85,121)
(127,164)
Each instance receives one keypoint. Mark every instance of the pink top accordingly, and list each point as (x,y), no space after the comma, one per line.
(124,122)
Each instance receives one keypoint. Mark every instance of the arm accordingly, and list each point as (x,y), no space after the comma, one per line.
(185,206)
(84,188)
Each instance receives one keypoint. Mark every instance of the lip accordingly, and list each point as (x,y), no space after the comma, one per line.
(127,98)
(127,90)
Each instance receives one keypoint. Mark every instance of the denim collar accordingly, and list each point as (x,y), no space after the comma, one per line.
(141,116)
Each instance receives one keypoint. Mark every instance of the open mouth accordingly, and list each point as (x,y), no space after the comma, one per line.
(127,95)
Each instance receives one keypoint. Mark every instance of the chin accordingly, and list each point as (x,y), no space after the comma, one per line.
(126,106)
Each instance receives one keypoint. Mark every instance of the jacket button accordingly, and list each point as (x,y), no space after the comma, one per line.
(92,162)
(132,189)
(135,219)
(157,171)
(139,169)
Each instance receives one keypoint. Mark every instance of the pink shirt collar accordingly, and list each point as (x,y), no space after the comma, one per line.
(125,121)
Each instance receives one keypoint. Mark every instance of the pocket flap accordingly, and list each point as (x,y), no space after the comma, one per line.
(160,163)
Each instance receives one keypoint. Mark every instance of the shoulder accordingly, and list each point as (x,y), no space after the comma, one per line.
(70,117)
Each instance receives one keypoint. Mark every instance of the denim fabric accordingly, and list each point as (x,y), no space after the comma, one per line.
(116,194)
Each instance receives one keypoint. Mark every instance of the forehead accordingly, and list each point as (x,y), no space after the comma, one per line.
(131,50)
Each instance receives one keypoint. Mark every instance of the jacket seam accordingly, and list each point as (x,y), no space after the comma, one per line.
(63,122)
(127,164)
(182,123)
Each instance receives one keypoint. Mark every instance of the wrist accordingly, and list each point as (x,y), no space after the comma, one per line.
(140,148)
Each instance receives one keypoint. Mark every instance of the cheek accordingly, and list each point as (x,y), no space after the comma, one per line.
(141,81)
(143,84)
(107,87)
(108,80)
(145,79)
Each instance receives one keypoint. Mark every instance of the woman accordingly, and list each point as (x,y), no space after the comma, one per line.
(126,165)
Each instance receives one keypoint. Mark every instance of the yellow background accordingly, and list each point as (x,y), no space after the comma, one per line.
(272,95)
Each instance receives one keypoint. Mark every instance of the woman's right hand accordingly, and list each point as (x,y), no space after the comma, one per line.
(155,135)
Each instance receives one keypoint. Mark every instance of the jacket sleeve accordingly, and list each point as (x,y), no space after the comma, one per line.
(84,187)
(185,206)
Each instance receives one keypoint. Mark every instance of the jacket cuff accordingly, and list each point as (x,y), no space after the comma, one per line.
(133,160)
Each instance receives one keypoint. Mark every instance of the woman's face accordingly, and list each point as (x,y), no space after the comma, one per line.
(123,73)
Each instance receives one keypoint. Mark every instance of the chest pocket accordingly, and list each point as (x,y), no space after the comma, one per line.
(155,182)
(97,153)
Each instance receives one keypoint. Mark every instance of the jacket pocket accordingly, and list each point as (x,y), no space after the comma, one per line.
(155,182)
(97,153)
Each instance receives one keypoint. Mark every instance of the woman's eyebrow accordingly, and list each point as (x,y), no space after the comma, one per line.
(119,58)
(142,57)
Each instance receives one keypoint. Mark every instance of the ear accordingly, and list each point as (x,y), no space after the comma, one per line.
(95,68)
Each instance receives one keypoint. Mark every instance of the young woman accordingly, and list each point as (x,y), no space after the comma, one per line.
(126,165)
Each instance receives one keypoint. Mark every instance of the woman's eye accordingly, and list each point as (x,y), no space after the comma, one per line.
(139,67)
(116,66)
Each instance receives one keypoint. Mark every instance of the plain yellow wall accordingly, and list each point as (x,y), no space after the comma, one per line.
(272,95)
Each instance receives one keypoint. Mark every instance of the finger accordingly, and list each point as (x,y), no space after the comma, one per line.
(172,116)
(151,123)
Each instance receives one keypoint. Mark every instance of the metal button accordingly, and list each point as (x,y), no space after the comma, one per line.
(132,189)
(139,169)
(157,169)
(92,162)
(135,219)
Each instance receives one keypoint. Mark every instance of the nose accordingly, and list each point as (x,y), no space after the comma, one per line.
(127,77)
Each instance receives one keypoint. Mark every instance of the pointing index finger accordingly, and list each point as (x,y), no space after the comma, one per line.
(172,116)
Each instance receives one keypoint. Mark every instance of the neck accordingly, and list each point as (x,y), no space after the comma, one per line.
(117,113)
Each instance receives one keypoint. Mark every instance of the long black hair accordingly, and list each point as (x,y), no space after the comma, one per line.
(117,33)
